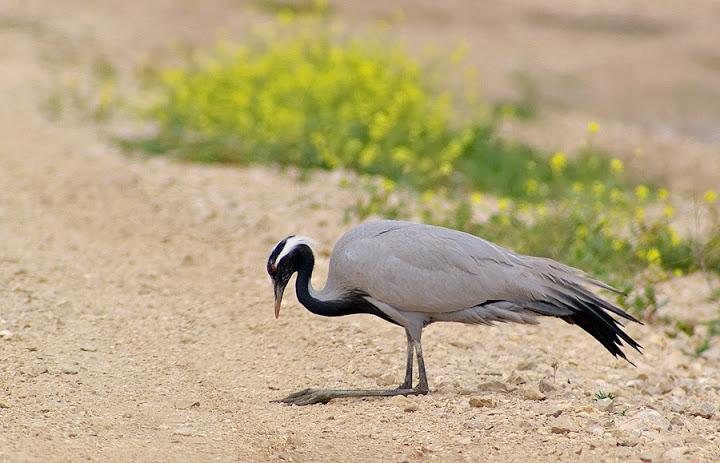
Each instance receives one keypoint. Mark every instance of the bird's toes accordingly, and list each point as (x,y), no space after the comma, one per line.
(308,397)
(317,397)
(297,394)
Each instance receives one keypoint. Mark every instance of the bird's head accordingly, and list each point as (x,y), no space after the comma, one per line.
(285,259)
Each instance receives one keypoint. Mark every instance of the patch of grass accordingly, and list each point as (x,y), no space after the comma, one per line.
(600,395)
(685,327)
(305,96)
(713,331)
(705,345)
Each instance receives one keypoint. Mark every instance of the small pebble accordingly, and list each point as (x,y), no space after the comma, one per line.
(675,454)
(605,404)
(386,380)
(563,425)
(186,404)
(70,369)
(533,394)
(481,402)
(546,386)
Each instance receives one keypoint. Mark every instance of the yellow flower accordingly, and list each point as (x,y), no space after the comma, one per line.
(581,232)
(368,155)
(674,237)
(653,256)
(285,16)
(388,184)
(598,188)
(531,186)
(402,155)
(558,162)
(616,166)
(593,127)
(615,195)
(710,196)
(541,210)
(507,111)
(668,211)
(476,197)
(639,214)
(617,245)
(503,204)
(662,194)
(428,196)
(678,272)
(578,187)
(642,191)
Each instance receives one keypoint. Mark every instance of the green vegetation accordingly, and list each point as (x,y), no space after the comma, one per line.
(304,96)
(600,395)
(713,330)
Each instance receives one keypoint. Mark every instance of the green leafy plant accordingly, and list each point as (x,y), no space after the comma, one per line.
(304,95)
(600,395)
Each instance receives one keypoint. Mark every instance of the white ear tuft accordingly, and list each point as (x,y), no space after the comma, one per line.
(292,243)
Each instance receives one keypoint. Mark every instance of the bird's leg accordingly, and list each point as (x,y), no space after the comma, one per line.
(316,396)
(407,384)
(422,387)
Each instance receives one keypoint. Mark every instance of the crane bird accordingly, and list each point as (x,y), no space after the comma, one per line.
(412,275)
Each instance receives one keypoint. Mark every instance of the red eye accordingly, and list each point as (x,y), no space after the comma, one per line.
(273,268)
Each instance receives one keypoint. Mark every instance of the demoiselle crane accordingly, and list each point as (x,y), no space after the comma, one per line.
(414,274)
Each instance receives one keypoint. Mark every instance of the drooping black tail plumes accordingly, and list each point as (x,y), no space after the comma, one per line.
(578,306)
(610,334)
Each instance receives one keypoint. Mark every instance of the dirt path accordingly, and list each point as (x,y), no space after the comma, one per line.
(136,320)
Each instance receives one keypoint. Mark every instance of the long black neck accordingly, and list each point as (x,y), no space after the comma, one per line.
(351,303)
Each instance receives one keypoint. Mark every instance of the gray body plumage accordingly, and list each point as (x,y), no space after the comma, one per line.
(418,274)
(413,275)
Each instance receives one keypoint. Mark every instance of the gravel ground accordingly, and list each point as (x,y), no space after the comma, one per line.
(136,317)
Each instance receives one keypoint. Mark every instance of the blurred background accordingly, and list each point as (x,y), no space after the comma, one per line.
(645,70)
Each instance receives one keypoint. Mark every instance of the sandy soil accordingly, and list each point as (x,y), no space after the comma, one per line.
(136,318)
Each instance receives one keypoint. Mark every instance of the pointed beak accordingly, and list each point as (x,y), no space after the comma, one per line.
(279,288)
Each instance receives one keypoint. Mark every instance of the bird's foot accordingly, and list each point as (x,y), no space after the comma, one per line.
(307,397)
(323,396)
